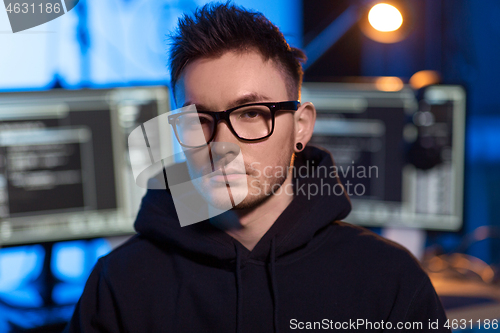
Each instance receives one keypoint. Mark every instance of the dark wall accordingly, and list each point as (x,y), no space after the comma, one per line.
(342,59)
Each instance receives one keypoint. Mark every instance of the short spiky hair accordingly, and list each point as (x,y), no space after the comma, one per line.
(217,28)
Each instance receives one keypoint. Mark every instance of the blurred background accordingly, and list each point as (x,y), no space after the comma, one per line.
(405,90)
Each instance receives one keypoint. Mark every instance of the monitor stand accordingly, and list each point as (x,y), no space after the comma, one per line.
(411,239)
(46,281)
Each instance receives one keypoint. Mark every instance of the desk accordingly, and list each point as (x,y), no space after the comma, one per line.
(467,299)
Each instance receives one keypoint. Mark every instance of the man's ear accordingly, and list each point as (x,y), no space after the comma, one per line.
(305,118)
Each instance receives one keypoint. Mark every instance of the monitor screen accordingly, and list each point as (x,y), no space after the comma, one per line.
(64,170)
(400,159)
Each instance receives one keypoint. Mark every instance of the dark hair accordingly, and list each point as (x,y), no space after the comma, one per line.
(217,28)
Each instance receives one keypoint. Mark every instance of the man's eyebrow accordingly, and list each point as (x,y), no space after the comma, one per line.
(198,106)
(245,99)
(248,98)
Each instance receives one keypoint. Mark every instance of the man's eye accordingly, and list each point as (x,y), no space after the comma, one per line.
(204,120)
(250,114)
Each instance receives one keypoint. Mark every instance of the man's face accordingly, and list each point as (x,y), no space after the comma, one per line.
(216,84)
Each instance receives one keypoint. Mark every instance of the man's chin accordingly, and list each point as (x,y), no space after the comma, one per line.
(222,201)
(251,202)
(239,195)
(223,197)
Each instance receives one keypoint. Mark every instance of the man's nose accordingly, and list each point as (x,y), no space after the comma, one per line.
(224,142)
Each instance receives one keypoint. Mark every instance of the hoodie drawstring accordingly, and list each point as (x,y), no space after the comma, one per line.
(274,287)
(238,289)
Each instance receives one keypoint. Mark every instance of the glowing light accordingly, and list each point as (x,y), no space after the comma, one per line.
(389,83)
(424,78)
(384,17)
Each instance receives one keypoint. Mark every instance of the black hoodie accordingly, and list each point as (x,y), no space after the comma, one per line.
(309,271)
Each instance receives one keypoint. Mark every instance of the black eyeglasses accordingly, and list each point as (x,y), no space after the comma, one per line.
(249,122)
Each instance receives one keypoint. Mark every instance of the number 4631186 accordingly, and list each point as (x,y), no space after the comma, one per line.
(463,324)
(31,8)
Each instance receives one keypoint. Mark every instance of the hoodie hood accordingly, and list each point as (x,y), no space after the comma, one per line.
(296,226)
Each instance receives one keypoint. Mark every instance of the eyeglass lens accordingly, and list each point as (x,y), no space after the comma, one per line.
(250,122)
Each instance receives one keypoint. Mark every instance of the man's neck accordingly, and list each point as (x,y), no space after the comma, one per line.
(248,226)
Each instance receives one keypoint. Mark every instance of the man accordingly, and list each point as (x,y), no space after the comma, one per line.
(280,260)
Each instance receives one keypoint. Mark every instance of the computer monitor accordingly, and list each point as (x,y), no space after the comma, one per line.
(400,159)
(64,166)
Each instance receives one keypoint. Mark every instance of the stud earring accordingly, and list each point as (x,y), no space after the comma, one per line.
(299,146)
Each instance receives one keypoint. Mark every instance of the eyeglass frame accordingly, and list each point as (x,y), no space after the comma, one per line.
(224,115)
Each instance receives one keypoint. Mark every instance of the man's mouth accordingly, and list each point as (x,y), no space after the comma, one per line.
(227,175)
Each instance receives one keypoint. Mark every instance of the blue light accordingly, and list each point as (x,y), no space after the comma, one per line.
(19,266)
(93,46)
(67,293)
(71,264)
(68,261)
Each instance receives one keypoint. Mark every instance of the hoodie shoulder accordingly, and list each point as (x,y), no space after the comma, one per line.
(373,253)
(368,264)
(132,258)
